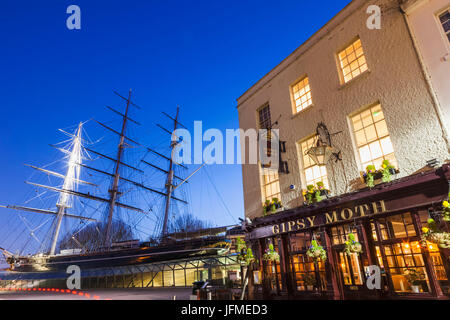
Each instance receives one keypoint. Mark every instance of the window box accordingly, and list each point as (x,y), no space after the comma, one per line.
(323,193)
(378,175)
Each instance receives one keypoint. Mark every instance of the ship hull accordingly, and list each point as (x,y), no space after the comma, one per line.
(117,258)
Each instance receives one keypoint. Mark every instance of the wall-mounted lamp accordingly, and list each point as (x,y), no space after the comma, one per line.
(323,151)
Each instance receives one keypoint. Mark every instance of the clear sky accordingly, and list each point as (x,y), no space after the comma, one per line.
(201,55)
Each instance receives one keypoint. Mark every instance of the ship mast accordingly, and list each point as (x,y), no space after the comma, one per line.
(169,183)
(73,173)
(114,191)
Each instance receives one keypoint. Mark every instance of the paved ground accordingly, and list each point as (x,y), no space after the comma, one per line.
(101,294)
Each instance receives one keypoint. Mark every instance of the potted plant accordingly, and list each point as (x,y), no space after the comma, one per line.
(414,278)
(384,173)
(314,194)
(270,207)
(352,246)
(270,254)
(310,281)
(316,252)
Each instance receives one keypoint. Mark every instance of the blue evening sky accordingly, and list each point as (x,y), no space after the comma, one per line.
(201,55)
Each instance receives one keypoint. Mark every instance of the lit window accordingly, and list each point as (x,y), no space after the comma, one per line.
(372,138)
(445,21)
(352,60)
(302,94)
(313,172)
(271,184)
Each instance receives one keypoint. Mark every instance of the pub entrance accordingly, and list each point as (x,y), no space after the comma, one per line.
(352,268)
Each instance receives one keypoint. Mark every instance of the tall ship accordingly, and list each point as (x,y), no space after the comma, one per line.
(92,208)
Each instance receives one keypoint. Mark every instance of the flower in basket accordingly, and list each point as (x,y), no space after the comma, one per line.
(271,206)
(434,235)
(316,252)
(245,254)
(352,246)
(369,175)
(270,254)
(314,194)
(446,211)
(309,194)
(386,169)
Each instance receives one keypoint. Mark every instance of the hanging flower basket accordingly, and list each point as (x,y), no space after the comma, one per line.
(245,254)
(352,246)
(316,252)
(271,255)
(434,235)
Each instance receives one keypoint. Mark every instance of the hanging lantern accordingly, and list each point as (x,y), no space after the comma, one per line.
(322,152)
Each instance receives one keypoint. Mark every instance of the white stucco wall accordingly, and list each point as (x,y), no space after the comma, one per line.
(433,47)
(395,80)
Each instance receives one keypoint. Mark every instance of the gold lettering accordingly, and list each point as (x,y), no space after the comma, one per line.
(362,209)
(290,225)
(283,227)
(300,224)
(331,219)
(350,213)
(311,220)
(275,229)
(378,205)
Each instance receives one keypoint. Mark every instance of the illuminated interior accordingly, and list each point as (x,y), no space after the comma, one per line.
(372,138)
(352,61)
(302,94)
(271,184)
(313,172)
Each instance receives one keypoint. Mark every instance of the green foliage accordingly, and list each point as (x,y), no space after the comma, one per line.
(384,171)
(434,235)
(245,254)
(370,173)
(313,193)
(316,252)
(271,254)
(271,206)
(352,246)
(413,276)
(309,279)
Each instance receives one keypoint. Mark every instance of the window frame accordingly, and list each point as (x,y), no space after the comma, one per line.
(339,65)
(303,167)
(264,185)
(292,93)
(442,32)
(362,165)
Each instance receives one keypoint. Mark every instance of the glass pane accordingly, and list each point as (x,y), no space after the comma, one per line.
(375,149)
(370,132)
(386,145)
(381,128)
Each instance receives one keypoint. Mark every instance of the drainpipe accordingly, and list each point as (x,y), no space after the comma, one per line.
(436,104)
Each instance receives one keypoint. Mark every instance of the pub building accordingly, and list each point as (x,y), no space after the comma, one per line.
(387,220)
(349,102)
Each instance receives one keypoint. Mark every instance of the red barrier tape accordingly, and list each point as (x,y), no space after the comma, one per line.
(74,292)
